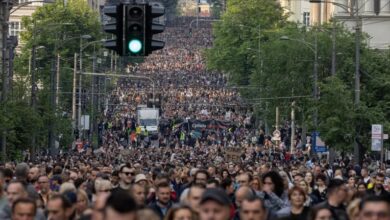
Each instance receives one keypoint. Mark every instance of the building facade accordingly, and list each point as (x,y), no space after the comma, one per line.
(371,16)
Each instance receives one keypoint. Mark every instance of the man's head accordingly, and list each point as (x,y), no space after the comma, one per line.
(244,179)
(337,191)
(194,196)
(24,209)
(126,174)
(33,174)
(138,192)
(59,208)
(214,205)
(44,184)
(375,207)
(163,193)
(364,172)
(253,208)
(16,190)
(244,192)
(120,206)
(379,181)
(21,171)
(201,176)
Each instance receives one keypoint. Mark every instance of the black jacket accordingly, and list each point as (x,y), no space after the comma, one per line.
(156,208)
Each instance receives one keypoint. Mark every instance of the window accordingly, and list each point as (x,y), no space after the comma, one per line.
(14,28)
(22,1)
(306,18)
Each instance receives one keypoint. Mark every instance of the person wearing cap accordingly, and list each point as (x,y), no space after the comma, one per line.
(214,205)
(141,179)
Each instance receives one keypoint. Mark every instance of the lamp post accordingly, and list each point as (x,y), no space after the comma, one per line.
(80,79)
(354,12)
(314,49)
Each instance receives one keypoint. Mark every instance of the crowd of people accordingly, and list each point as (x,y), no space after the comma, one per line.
(228,172)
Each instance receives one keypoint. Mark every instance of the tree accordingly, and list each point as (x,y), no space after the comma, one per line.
(53,29)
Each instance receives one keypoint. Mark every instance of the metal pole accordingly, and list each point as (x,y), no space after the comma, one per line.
(292,127)
(357,77)
(315,78)
(91,121)
(80,78)
(197,13)
(74,92)
(53,108)
(58,79)
(33,97)
(333,71)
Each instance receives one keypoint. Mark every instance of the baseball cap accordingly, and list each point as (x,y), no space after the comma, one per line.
(217,195)
(140,177)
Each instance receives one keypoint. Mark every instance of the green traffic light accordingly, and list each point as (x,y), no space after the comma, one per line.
(135,46)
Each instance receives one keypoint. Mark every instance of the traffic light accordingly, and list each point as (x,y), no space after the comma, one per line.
(154,10)
(114,27)
(135,18)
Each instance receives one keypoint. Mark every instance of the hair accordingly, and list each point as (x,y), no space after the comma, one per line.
(102,183)
(296,189)
(172,211)
(277,181)
(315,210)
(223,170)
(321,176)
(226,183)
(82,193)
(311,184)
(65,203)
(67,187)
(255,198)
(121,202)
(373,198)
(202,171)
(213,181)
(147,213)
(380,175)
(352,207)
(21,171)
(162,185)
(123,167)
(334,185)
(24,201)
(22,183)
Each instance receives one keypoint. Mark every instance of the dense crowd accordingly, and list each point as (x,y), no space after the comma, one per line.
(232,171)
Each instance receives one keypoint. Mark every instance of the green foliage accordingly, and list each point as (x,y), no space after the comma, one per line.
(53,29)
(273,73)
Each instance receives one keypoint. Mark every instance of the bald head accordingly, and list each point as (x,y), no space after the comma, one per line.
(243,193)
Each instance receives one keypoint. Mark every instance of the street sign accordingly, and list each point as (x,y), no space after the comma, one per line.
(319,146)
(276,135)
(376,137)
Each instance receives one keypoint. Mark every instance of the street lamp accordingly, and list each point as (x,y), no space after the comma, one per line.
(314,49)
(354,12)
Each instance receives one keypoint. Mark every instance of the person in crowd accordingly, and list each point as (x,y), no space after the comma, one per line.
(59,208)
(320,190)
(82,206)
(194,196)
(3,196)
(244,179)
(126,173)
(120,206)
(44,188)
(256,184)
(163,203)
(241,194)
(181,212)
(378,188)
(253,208)
(24,209)
(138,191)
(320,213)
(147,213)
(214,205)
(375,207)
(337,194)
(353,209)
(212,183)
(297,211)
(365,175)
(273,192)
(17,190)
